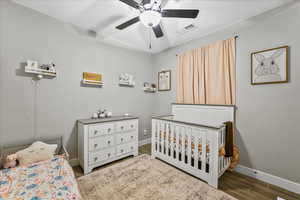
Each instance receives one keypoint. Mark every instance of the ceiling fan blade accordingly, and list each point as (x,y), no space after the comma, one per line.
(180,13)
(158,31)
(144,2)
(128,23)
(131,3)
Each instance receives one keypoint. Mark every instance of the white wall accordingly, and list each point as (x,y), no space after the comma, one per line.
(53,106)
(1,72)
(267,115)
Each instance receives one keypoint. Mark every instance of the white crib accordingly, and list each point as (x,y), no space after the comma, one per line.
(175,138)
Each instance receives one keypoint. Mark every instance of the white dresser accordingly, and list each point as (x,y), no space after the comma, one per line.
(101,141)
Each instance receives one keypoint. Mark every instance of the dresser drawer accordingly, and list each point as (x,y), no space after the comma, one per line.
(126,125)
(125,148)
(101,156)
(125,137)
(101,142)
(101,129)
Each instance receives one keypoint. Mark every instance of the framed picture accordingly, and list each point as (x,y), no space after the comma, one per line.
(164,80)
(269,66)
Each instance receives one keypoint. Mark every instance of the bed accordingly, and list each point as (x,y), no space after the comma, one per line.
(192,138)
(50,179)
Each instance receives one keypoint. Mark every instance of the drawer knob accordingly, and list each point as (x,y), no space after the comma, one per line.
(96,158)
(95,145)
(122,127)
(132,137)
(108,130)
(131,126)
(131,147)
(95,132)
(108,154)
(108,142)
(122,139)
(122,150)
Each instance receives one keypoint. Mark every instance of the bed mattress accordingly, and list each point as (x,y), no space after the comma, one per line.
(51,179)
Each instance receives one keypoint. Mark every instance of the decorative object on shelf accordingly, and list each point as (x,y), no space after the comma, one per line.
(95,116)
(149,87)
(164,80)
(269,66)
(102,113)
(33,67)
(92,79)
(126,80)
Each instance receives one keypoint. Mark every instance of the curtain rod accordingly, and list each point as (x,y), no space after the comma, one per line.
(235,37)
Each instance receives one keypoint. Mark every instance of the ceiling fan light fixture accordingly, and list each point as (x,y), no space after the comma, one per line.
(150,18)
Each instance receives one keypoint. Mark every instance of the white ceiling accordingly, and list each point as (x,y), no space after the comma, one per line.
(101,17)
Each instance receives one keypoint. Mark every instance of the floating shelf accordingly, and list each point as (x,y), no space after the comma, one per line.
(90,82)
(40,71)
(149,89)
(124,83)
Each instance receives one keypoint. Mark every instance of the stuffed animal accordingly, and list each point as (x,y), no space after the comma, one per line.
(222,151)
(235,158)
(11,161)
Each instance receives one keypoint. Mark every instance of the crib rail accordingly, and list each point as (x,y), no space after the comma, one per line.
(194,149)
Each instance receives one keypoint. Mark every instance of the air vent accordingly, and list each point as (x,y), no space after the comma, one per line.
(187,29)
(190,27)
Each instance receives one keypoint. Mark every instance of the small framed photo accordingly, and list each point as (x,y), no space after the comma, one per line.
(270,66)
(164,80)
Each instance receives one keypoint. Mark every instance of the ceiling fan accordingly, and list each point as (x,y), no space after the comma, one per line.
(151,14)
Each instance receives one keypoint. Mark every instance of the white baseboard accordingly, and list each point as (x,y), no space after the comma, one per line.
(269,178)
(74,162)
(145,141)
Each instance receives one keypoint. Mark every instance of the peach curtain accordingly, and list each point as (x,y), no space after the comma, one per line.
(207,75)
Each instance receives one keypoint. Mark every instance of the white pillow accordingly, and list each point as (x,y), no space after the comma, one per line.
(36,152)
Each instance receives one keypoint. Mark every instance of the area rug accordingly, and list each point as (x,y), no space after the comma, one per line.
(143,178)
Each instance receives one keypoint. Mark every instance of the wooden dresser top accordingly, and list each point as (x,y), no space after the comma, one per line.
(109,119)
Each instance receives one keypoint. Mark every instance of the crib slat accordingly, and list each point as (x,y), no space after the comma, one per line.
(167,139)
(203,155)
(164,137)
(182,132)
(172,140)
(161,136)
(189,143)
(197,135)
(177,129)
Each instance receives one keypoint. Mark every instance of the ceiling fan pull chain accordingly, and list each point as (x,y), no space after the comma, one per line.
(150,42)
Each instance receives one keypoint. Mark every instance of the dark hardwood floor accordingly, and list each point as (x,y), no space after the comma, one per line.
(237,185)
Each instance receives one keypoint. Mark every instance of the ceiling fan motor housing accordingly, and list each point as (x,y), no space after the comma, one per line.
(150,18)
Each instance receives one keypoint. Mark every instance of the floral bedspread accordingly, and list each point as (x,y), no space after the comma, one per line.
(51,179)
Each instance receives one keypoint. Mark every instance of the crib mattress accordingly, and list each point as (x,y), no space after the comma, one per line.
(51,179)
(173,139)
